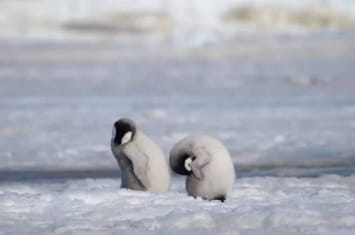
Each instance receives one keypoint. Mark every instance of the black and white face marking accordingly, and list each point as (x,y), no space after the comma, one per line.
(188,163)
(123,131)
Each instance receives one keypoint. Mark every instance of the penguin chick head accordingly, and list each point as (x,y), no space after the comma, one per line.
(182,163)
(123,131)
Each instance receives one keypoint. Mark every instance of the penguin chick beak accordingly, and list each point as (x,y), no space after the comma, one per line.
(113,133)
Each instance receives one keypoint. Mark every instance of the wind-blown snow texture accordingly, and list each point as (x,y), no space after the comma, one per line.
(283,107)
(323,205)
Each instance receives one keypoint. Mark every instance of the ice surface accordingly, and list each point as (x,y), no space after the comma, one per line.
(282,106)
(280,103)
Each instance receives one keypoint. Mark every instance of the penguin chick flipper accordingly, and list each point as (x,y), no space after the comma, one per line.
(198,164)
(140,164)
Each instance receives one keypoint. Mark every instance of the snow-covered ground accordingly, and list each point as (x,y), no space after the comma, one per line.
(283,105)
(262,205)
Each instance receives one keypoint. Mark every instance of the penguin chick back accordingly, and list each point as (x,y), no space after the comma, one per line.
(149,163)
(212,169)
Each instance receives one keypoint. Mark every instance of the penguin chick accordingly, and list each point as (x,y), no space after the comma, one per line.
(142,163)
(207,164)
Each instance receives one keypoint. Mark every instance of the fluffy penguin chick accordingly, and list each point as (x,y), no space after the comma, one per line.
(142,163)
(207,164)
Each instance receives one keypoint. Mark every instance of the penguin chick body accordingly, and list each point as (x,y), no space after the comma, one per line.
(142,163)
(207,164)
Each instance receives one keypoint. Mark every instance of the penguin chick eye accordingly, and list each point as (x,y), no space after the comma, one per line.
(187,164)
(127,137)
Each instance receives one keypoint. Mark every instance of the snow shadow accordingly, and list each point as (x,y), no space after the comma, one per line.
(25,175)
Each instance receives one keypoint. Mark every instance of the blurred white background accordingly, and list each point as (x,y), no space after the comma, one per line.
(204,19)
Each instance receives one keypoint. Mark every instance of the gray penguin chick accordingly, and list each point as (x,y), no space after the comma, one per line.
(142,163)
(207,164)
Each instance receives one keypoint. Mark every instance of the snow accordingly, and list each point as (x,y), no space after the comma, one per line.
(284,107)
(258,205)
